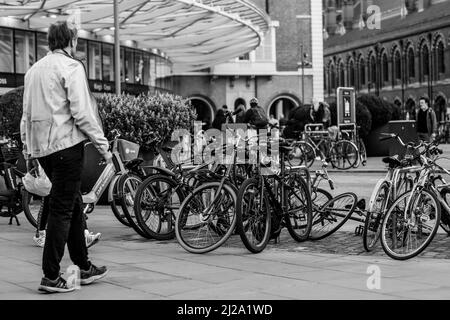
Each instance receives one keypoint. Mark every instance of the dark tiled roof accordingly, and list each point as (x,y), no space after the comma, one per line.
(440,11)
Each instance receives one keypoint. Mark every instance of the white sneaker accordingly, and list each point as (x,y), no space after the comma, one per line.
(91,238)
(40,240)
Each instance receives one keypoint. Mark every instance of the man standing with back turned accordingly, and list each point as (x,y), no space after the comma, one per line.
(59,115)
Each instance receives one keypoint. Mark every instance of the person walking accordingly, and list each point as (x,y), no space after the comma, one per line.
(256,115)
(320,113)
(59,115)
(426,123)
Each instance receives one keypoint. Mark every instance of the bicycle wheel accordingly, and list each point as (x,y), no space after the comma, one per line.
(445,215)
(362,152)
(374,217)
(319,197)
(127,186)
(302,154)
(207,217)
(31,206)
(253,220)
(344,155)
(156,204)
(299,208)
(406,234)
(117,208)
(332,215)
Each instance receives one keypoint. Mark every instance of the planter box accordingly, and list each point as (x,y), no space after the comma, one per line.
(375,147)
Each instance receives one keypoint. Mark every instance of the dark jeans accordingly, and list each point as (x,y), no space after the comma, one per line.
(65,217)
(43,217)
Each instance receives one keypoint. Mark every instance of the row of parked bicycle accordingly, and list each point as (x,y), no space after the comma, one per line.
(203,205)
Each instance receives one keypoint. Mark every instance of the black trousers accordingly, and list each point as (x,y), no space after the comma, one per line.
(65,217)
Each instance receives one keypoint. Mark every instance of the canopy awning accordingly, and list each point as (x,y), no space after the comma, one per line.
(194,34)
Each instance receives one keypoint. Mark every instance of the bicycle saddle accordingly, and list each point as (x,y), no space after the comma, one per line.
(133,163)
(393,161)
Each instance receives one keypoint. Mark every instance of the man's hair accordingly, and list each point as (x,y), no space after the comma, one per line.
(427,101)
(60,35)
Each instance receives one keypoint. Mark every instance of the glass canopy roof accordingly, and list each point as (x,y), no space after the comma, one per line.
(194,34)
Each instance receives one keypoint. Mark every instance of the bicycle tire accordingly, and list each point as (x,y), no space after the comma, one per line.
(304,152)
(362,152)
(117,208)
(400,213)
(242,217)
(182,219)
(293,224)
(144,191)
(328,212)
(341,153)
(126,199)
(31,213)
(374,217)
(445,215)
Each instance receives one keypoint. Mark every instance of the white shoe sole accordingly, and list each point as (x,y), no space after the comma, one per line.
(93,242)
(87,281)
(54,290)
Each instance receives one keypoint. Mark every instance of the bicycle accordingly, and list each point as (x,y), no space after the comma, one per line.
(412,220)
(267,203)
(207,216)
(343,154)
(15,198)
(396,182)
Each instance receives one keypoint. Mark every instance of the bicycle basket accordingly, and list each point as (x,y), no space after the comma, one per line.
(128,150)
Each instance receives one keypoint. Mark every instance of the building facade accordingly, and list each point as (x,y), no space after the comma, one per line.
(141,70)
(399,53)
(273,72)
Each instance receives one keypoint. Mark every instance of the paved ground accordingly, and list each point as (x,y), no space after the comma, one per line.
(334,268)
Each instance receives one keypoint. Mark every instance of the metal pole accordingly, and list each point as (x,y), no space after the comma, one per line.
(303,74)
(116,48)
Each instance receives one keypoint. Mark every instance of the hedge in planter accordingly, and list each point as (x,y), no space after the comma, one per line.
(381,110)
(11,107)
(136,117)
(363,117)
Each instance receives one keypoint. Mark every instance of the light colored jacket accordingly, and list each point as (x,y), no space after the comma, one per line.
(58,109)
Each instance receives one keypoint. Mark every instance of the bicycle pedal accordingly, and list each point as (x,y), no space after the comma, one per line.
(359,230)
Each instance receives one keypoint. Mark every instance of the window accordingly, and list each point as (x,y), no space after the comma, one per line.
(244,57)
(138,68)
(373,70)
(440,58)
(351,74)
(341,75)
(362,72)
(108,62)
(129,66)
(6,51)
(146,69)
(332,77)
(122,64)
(95,61)
(81,53)
(152,79)
(411,63)
(42,45)
(385,68)
(25,50)
(424,59)
(397,66)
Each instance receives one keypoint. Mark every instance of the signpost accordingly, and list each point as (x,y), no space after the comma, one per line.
(346,110)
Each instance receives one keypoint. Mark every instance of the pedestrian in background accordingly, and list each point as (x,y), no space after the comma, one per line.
(59,115)
(426,122)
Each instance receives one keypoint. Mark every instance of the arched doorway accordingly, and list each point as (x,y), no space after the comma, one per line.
(204,109)
(281,106)
(238,102)
(410,108)
(440,107)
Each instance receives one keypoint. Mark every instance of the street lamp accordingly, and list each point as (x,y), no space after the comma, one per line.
(303,62)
